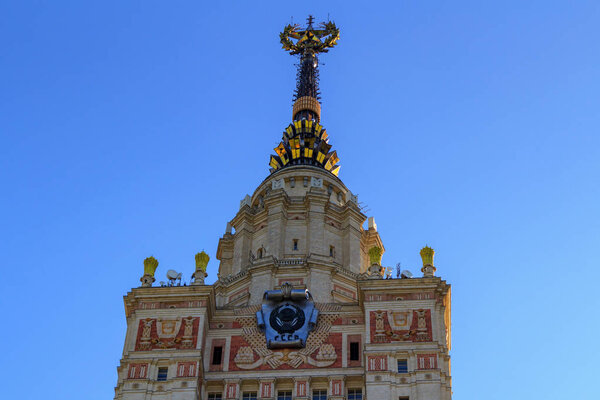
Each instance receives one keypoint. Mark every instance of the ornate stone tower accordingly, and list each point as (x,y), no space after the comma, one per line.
(301,308)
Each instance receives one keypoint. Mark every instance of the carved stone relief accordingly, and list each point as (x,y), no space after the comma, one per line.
(153,333)
(410,326)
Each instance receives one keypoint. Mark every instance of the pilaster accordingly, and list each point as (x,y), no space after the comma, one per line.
(316,200)
(276,203)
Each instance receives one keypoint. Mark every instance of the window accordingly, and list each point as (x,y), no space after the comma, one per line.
(217,354)
(284,395)
(403,398)
(295,244)
(331,251)
(249,396)
(402,366)
(259,253)
(354,351)
(162,374)
(215,396)
(319,394)
(354,394)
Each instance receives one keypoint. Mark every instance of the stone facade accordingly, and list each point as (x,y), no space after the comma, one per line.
(388,338)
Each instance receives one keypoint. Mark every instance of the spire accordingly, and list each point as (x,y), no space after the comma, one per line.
(305,141)
(309,42)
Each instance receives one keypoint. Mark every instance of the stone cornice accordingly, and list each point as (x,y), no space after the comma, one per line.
(299,170)
(167,294)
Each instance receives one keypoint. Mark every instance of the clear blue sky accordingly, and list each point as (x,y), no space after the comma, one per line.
(131,129)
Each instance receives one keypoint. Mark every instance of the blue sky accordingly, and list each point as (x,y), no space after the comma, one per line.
(131,129)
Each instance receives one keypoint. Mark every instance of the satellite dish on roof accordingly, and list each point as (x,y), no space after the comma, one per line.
(172,274)
(406,274)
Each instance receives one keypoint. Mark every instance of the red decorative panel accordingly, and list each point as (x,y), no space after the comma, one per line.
(238,294)
(186,369)
(401,326)
(291,281)
(301,388)
(377,363)
(426,361)
(351,320)
(337,387)
(157,305)
(266,390)
(231,391)
(400,297)
(345,291)
(137,371)
(181,333)
(216,325)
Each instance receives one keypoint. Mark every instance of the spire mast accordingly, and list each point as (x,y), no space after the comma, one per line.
(309,42)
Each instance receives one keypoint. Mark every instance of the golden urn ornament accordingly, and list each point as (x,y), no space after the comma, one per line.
(427,254)
(375,254)
(375,270)
(201,262)
(150,265)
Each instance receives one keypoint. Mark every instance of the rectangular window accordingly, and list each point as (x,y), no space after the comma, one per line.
(162,374)
(331,251)
(215,396)
(319,394)
(284,395)
(403,398)
(355,394)
(249,396)
(354,351)
(295,244)
(402,366)
(217,355)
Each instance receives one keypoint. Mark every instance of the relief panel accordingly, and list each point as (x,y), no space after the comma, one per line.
(179,333)
(401,326)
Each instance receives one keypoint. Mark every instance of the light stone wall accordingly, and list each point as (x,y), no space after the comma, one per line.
(319,286)
(272,218)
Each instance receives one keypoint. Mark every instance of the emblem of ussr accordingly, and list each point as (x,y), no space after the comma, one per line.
(287,316)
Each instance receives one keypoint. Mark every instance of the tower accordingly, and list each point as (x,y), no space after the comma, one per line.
(301,308)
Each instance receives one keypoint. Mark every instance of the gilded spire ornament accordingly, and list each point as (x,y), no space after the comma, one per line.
(305,141)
